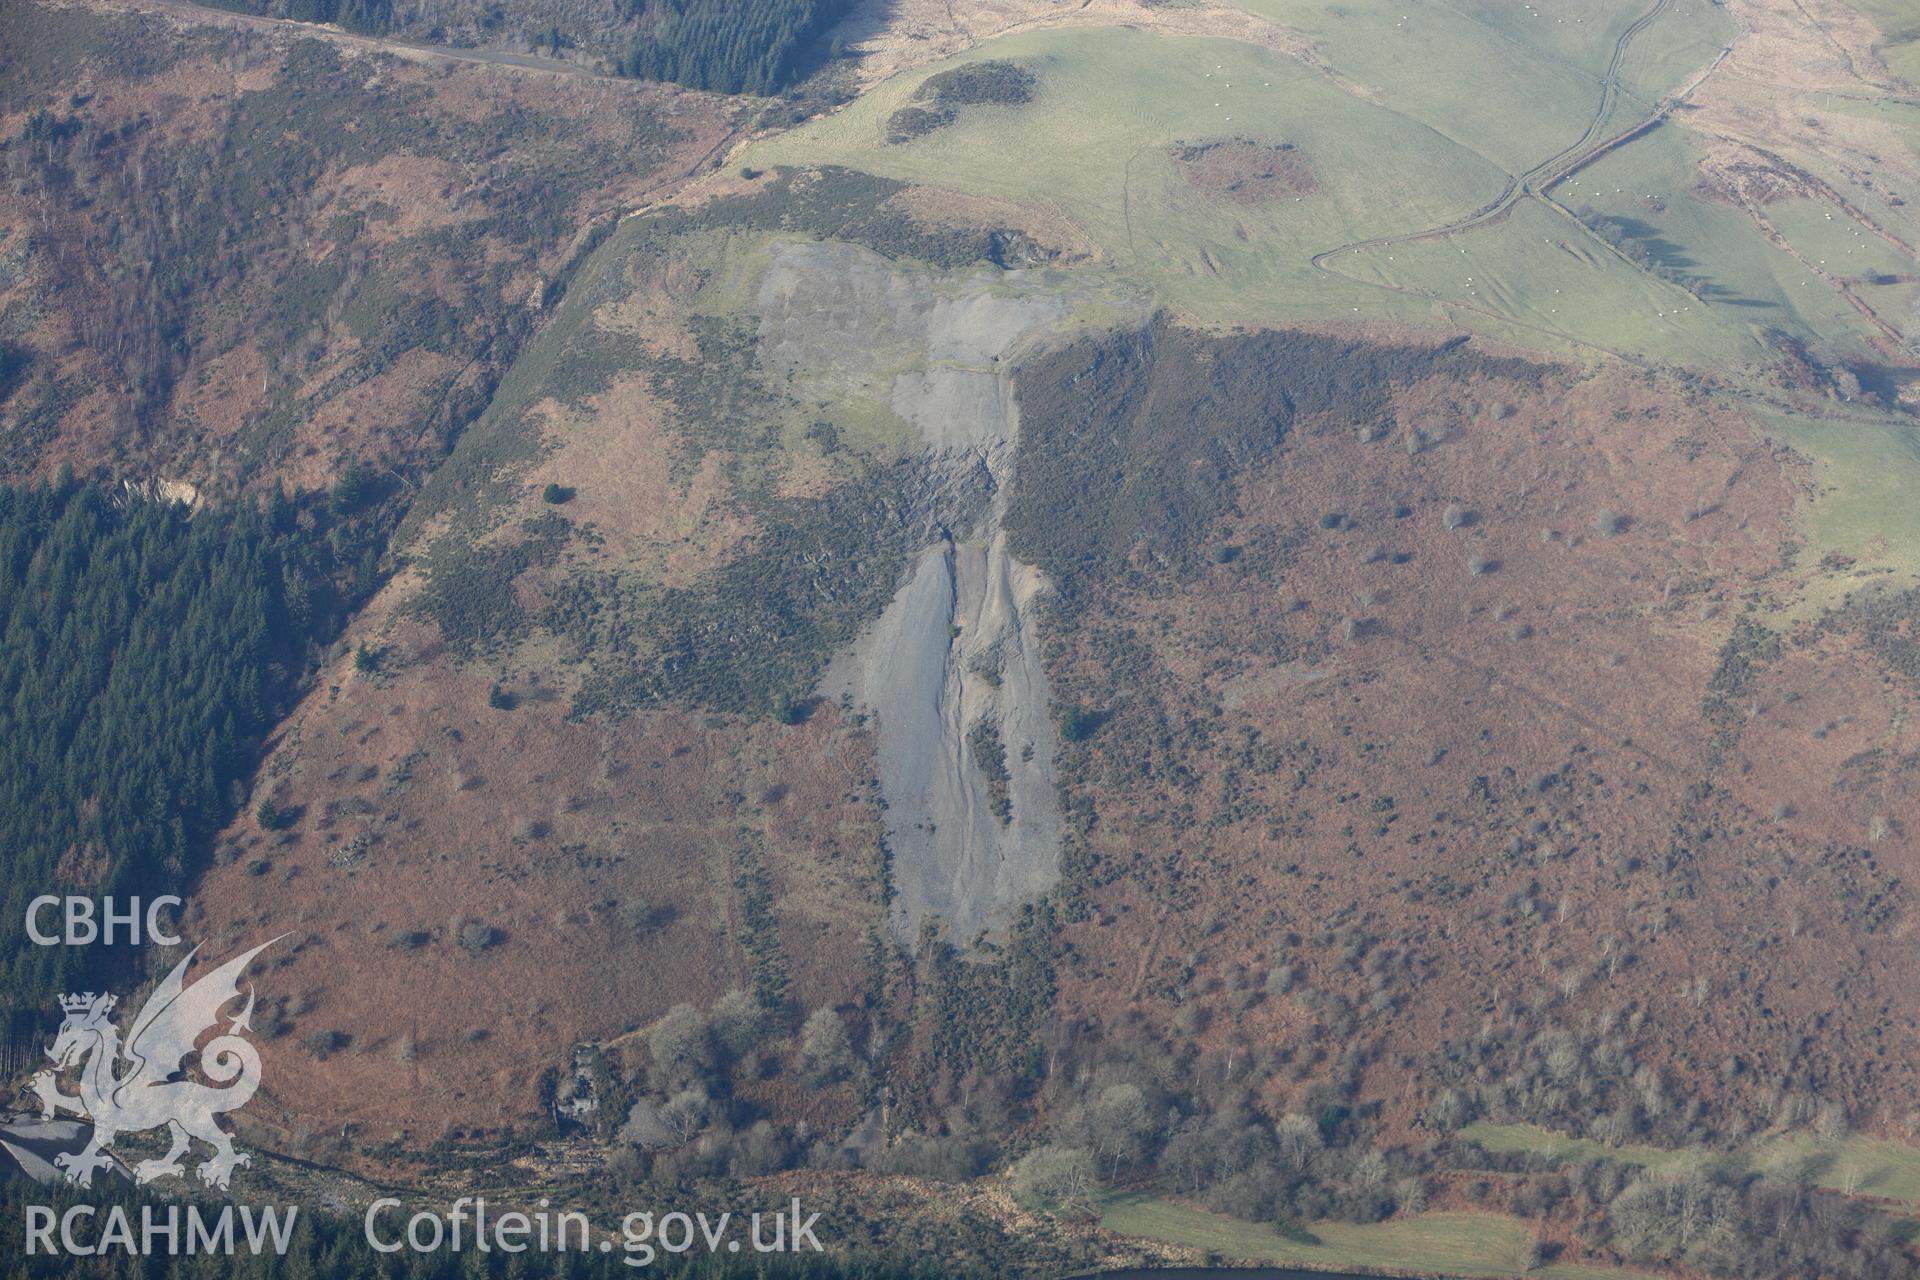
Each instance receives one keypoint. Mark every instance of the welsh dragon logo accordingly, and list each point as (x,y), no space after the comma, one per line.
(142,1084)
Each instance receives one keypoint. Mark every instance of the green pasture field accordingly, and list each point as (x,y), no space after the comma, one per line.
(1394,150)
(1511,81)
(1097,142)
(1865,472)
(1502,1138)
(1109,104)
(1870,1165)
(1454,1244)
(1835,242)
(1751,284)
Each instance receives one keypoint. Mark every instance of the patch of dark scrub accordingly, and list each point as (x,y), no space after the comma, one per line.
(1642,243)
(1889,624)
(753,638)
(939,101)
(1243,171)
(833,203)
(909,123)
(1821,367)
(990,757)
(1750,648)
(1130,444)
(983,1016)
(14,359)
(50,50)
(470,589)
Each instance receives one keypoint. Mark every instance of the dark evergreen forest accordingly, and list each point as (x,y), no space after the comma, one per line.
(145,649)
(732,46)
(725,46)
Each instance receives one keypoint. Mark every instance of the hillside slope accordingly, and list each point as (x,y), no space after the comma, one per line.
(1180,615)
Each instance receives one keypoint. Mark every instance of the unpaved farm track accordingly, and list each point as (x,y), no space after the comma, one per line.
(1536,182)
(1555,167)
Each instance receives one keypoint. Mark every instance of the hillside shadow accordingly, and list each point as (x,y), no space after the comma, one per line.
(1885,383)
(1668,259)
(867,19)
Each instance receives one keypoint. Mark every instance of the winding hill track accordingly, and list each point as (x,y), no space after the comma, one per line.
(1536,182)
(1542,177)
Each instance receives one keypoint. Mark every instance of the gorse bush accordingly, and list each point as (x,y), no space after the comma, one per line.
(477,936)
(939,100)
